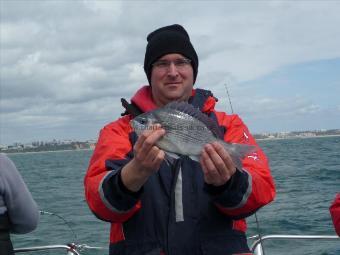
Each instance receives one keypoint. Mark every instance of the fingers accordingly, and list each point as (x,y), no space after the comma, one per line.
(158,159)
(209,176)
(151,139)
(216,164)
(145,135)
(228,162)
(147,140)
(146,153)
(154,157)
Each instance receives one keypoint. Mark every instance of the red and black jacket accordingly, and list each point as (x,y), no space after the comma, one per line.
(335,213)
(175,212)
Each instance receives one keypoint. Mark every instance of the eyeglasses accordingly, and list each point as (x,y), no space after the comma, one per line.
(164,65)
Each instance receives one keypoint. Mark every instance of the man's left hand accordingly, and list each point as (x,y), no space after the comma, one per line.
(217,164)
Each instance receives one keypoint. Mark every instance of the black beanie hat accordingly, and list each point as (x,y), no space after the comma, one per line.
(166,40)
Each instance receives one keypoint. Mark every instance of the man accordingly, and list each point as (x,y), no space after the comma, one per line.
(184,207)
(19,213)
(334,210)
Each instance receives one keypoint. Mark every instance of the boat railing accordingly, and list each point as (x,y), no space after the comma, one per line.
(70,249)
(257,245)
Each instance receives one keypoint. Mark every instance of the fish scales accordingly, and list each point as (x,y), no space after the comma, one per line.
(187,130)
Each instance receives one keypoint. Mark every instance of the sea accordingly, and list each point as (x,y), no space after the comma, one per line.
(306,173)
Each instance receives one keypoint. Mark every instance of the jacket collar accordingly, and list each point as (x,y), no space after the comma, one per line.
(143,99)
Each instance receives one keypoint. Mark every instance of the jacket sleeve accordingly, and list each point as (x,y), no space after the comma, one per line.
(250,188)
(20,205)
(104,193)
(335,213)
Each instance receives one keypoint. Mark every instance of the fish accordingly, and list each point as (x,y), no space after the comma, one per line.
(187,130)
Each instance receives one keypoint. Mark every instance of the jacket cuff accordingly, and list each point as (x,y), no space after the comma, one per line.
(216,190)
(235,192)
(125,190)
(115,195)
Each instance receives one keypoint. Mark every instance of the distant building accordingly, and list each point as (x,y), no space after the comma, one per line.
(307,134)
(3,147)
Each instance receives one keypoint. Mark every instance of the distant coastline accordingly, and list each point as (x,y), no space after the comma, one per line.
(295,137)
(55,146)
(298,134)
(51,151)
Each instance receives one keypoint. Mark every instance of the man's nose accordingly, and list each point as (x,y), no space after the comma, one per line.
(172,71)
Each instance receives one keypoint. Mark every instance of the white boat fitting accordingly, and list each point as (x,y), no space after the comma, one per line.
(256,247)
(256,242)
(69,249)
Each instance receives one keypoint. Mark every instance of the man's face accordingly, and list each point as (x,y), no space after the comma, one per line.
(172,78)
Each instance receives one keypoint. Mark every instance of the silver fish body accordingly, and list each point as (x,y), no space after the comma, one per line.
(187,130)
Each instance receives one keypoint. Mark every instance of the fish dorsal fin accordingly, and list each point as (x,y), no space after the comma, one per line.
(196,113)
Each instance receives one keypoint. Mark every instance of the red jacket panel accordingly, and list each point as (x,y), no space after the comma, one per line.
(115,133)
(335,213)
(262,189)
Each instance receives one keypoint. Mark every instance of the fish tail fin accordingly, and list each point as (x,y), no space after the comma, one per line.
(238,152)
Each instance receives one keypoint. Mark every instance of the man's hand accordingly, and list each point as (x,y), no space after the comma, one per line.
(148,156)
(147,159)
(217,164)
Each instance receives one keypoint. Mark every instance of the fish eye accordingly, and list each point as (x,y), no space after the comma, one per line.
(143,121)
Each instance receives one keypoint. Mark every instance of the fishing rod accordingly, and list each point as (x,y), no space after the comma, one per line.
(231,106)
(256,219)
(63,219)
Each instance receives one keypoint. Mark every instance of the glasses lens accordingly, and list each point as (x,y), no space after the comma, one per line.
(165,64)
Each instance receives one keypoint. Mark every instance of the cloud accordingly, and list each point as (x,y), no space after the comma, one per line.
(260,107)
(69,62)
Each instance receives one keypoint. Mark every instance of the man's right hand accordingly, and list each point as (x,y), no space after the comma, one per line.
(147,159)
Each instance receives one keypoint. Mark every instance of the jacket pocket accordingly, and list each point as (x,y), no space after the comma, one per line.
(230,244)
(136,248)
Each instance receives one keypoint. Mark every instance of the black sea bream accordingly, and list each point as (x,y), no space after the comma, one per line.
(187,130)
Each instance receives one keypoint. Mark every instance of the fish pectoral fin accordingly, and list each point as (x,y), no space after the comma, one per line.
(170,157)
(194,158)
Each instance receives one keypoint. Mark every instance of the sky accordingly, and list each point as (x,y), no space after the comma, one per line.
(66,64)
